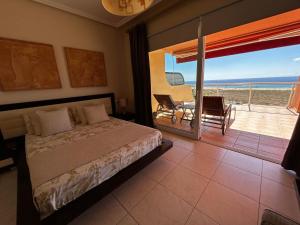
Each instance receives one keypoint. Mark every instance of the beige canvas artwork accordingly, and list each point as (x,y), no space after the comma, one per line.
(86,68)
(27,66)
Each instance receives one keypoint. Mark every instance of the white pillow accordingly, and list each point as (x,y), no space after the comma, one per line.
(95,113)
(32,121)
(53,122)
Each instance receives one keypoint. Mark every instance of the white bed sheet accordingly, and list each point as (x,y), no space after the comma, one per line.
(66,165)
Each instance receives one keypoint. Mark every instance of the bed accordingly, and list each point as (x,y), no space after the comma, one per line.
(54,188)
(98,152)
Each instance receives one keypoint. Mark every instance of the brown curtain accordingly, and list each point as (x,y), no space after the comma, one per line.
(141,75)
(291,160)
(1,142)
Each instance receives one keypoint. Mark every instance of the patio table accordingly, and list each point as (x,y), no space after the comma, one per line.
(188,109)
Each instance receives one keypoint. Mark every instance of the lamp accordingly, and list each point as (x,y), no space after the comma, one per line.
(126,7)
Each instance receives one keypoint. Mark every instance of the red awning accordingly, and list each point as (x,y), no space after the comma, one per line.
(277,31)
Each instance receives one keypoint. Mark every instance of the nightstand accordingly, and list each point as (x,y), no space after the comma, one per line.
(126,116)
(8,152)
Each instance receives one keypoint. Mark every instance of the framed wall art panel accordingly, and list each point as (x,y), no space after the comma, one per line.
(27,66)
(86,68)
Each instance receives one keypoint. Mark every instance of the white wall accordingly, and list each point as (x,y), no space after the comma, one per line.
(27,20)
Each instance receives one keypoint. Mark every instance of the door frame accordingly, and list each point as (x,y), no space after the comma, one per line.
(199,82)
(197,131)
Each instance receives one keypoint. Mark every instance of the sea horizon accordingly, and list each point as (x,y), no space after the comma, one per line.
(214,83)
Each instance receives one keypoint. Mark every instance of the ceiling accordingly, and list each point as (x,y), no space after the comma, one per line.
(91,9)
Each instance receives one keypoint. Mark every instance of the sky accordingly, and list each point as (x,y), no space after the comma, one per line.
(277,62)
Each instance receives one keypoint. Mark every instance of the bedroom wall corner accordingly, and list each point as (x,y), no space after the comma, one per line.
(128,71)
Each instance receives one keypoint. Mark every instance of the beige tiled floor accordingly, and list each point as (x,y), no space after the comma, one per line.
(249,143)
(8,197)
(194,183)
(264,131)
(238,180)
(166,122)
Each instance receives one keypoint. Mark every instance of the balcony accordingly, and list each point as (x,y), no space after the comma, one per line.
(264,131)
(263,123)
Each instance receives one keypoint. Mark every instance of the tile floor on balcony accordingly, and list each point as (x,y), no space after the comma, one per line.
(263,132)
(186,186)
(165,122)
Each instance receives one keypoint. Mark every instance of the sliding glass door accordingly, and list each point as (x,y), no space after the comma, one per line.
(176,83)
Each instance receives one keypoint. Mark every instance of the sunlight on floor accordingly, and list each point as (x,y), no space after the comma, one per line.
(272,121)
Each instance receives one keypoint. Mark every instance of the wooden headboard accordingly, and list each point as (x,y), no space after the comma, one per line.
(11,120)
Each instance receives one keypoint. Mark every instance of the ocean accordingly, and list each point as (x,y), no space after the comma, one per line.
(230,83)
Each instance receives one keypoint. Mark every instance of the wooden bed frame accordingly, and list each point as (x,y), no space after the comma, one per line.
(27,213)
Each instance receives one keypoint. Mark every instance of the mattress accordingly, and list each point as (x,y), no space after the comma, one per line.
(64,166)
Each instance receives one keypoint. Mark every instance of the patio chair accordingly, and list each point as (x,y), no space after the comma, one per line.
(167,107)
(215,112)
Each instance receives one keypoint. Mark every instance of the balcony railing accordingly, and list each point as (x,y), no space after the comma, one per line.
(243,93)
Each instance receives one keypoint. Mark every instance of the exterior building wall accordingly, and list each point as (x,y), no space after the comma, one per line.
(159,83)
